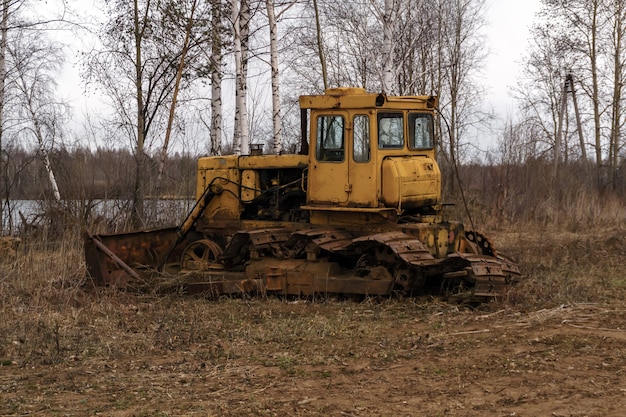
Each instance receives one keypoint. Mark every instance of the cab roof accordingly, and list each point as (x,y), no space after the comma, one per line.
(359,98)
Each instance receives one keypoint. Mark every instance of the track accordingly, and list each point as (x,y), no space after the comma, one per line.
(314,261)
(301,262)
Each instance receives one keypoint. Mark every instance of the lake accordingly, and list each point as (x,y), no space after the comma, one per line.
(168,212)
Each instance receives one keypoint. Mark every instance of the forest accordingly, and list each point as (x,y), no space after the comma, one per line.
(173,80)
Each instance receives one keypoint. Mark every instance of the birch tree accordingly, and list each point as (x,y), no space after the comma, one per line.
(240,21)
(216,77)
(388,21)
(276,121)
(40,115)
(617,22)
(272,18)
(16,18)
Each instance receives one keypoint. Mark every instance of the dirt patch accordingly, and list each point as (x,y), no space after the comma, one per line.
(273,357)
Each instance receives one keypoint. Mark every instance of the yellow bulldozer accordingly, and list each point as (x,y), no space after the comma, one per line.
(358,211)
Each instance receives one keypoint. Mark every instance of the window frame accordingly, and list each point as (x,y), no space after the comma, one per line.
(330,154)
(412,118)
(366,143)
(390,115)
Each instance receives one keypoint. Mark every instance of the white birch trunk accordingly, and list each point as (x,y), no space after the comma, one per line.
(243,89)
(44,152)
(39,136)
(271,16)
(216,79)
(51,177)
(388,70)
(241,140)
(237,57)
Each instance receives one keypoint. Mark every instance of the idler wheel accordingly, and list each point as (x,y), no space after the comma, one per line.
(200,255)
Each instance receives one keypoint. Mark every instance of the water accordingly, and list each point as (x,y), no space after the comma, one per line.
(17,213)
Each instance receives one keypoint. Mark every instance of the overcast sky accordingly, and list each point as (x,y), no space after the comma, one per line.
(507,38)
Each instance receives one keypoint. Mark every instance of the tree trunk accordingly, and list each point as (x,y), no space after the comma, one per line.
(216,78)
(595,99)
(51,177)
(245,52)
(559,133)
(320,45)
(388,70)
(42,148)
(277,139)
(170,120)
(137,215)
(3,70)
(241,139)
(616,110)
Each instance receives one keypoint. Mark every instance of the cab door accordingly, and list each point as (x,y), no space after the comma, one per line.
(341,171)
(328,179)
(361,167)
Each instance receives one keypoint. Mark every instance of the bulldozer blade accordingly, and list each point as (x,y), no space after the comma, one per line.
(122,259)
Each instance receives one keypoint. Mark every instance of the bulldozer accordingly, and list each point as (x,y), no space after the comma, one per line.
(358,211)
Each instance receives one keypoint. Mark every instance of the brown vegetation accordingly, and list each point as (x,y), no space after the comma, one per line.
(552,348)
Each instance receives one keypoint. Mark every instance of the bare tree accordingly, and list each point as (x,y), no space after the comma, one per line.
(241,20)
(188,28)
(216,77)
(4,28)
(273,18)
(458,56)
(36,63)
(12,21)
(617,21)
(388,20)
(320,43)
(576,27)
(540,90)
(276,121)
(137,69)
(585,38)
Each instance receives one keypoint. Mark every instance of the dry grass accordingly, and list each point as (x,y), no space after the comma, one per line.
(127,353)
(48,317)
(565,267)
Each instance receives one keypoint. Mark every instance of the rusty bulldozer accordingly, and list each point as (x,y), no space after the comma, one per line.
(358,211)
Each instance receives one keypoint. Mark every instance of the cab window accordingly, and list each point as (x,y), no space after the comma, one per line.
(361,148)
(330,138)
(421,131)
(390,131)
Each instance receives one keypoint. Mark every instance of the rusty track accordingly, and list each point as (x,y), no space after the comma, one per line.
(284,261)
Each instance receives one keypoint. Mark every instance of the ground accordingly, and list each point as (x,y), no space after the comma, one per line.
(116,354)
(272,357)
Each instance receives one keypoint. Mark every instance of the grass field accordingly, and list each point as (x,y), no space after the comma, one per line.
(553,347)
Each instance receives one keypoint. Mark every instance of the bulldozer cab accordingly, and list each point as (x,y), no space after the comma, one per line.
(371,152)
